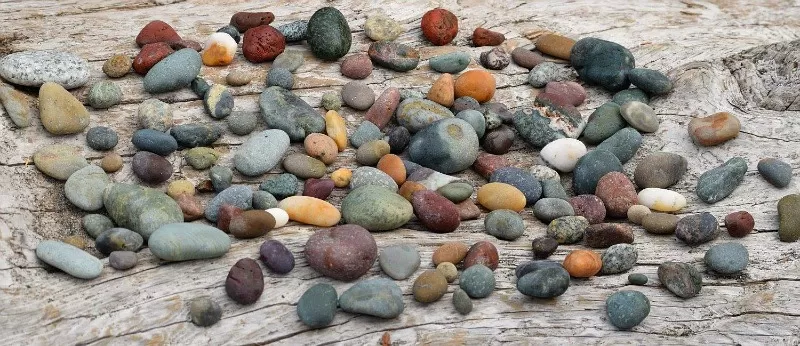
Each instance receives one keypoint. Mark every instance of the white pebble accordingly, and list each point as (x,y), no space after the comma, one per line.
(661,199)
(280,215)
(563,153)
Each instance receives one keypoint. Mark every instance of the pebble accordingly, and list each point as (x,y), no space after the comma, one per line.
(428,178)
(461,301)
(661,199)
(60,112)
(603,235)
(180,187)
(543,173)
(453,62)
(188,241)
(716,184)
(624,96)
(447,146)
(251,224)
(477,281)
(545,281)
(173,72)
(280,77)
(295,31)
(495,196)
(484,37)
(382,110)
(482,252)
(76,241)
(283,110)
(429,286)
(70,259)
(591,167)
(439,26)
(59,161)
(18,106)
(153,141)
(117,66)
(379,27)
(195,134)
(331,101)
(341,177)
(436,213)
(637,279)
(343,253)
(240,196)
(650,81)
(660,170)
(539,130)
(262,43)
(156,31)
(478,84)
(623,144)
(275,255)
(555,45)
(280,215)
(221,177)
(231,31)
(366,132)
(547,72)
(356,66)
(589,206)
(376,208)
(178,45)
(563,154)
(290,60)
(617,193)
(553,189)
(456,192)
(727,258)
(220,49)
(140,209)
(660,223)
(104,95)
(218,101)
(118,239)
(416,114)
(399,261)
(776,172)
(549,209)
(524,181)
(565,230)
(190,207)
(450,252)
(601,62)
(504,224)
(101,138)
(328,34)
(448,270)
(499,140)
(154,114)
(627,309)
(318,188)
(714,129)
(394,56)
(303,166)
(204,312)
(366,175)
(739,224)
(150,55)
(467,210)
(377,297)
(604,122)
(264,200)
(640,116)
(619,258)
(789,219)
(94,224)
(122,260)
(358,95)
(317,306)
(526,58)
(495,59)
(245,282)
(442,91)
(697,229)
(35,68)
(682,279)
(84,188)
(242,123)
(310,211)
(261,152)
(393,166)
(582,263)
(199,86)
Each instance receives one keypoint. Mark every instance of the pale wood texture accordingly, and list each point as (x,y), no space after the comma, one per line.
(689,40)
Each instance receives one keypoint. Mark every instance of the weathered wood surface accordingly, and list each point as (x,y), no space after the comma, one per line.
(696,42)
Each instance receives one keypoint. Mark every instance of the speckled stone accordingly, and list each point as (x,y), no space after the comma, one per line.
(453,62)
(104,94)
(590,168)
(280,77)
(295,31)
(283,110)
(154,114)
(589,206)
(377,297)
(462,302)
(682,279)
(317,306)
(716,184)
(477,281)
(552,188)
(567,229)
(543,247)
(624,96)
(546,281)
(201,157)
(366,132)
(697,229)
(546,72)
(499,140)
(376,208)
(34,68)
(204,311)
(619,258)
(328,34)
(264,200)
(394,56)
(173,72)
(242,123)
(290,60)
(379,27)
(495,59)
(476,119)
(281,186)
(331,101)
(117,66)
(603,235)
(627,309)
(101,138)
(539,130)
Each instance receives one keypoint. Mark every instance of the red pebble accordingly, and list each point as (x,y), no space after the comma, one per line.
(262,43)
(439,26)
(570,92)
(157,31)
(150,55)
(244,21)
(226,213)
(318,188)
(487,163)
(483,37)
(437,214)
(482,252)
(382,110)
(739,224)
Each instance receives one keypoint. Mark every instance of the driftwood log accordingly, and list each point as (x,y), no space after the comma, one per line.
(737,56)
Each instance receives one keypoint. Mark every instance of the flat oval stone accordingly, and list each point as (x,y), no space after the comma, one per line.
(624,96)
(567,229)
(188,241)
(623,144)
(118,239)
(370,153)
(357,66)
(122,260)
(318,188)
(601,62)
(739,224)
(328,34)
(604,122)
(453,62)
(156,142)
(280,77)
(776,172)
(484,37)
(563,154)
(661,199)
(660,170)
(590,168)
(461,301)
(627,309)
(34,68)
(60,112)
(436,213)
(381,112)
(637,279)
(245,282)
(358,95)
(637,212)
(204,312)
(261,152)
(640,116)
(377,297)
(317,306)
(343,253)
(714,129)
(151,168)
(283,110)
(140,209)
(447,146)
(477,281)
(251,224)
(589,206)
(71,260)
(237,195)
(546,282)
(276,256)
(376,208)
(524,181)
(650,81)
(617,193)
(218,101)
(399,261)
(416,114)
(429,286)
(682,279)
(84,188)
(718,183)
(549,209)
(310,211)
(456,192)
(18,106)
(727,258)
(452,252)
(555,45)
(290,59)
(603,235)
(482,252)
(526,58)
(394,56)
(660,223)
(789,218)
(101,138)
(619,258)
(565,93)
(379,27)
(494,196)
(173,72)
(303,166)
(697,229)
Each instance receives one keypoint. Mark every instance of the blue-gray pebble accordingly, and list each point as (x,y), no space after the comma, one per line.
(285,111)
(475,119)
(156,142)
(221,177)
(264,200)
(195,134)
(727,258)
(504,224)
(718,183)
(776,172)
(280,77)
(101,138)
(624,96)
(69,259)
(627,308)
(623,144)
(454,62)
(651,81)
(317,306)
(521,179)
(377,297)
(447,146)
(546,281)
(261,152)
(188,241)
(549,209)
(175,71)
(237,195)
(365,132)
(590,168)
(281,186)
(478,281)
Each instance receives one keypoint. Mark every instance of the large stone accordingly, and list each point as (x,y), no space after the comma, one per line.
(328,34)
(84,188)
(377,297)
(789,216)
(140,209)
(173,72)
(188,241)
(261,152)
(376,208)
(285,111)
(447,146)
(34,68)
(59,161)
(601,62)
(60,112)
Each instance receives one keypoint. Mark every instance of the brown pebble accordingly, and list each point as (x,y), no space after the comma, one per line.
(190,206)
(226,213)
(112,162)
(467,210)
(660,223)
(714,129)
(381,112)
(482,252)
(321,147)
(318,188)
(246,20)
(526,58)
(453,252)
(76,241)
(117,66)
(739,224)
(251,224)
(555,45)
(392,165)
(543,247)
(498,141)
(589,206)
(603,235)
(617,193)
(245,281)
(442,91)
(487,163)
(484,37)
(429,286)
(582,263)
(356,66)
(238,78)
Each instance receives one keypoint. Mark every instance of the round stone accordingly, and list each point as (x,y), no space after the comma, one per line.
(436,213)
(499,140)
(379,27)
(449,271)
(122,260)
(154,114)
(276,256)
(482,252)
(660,170)
(567,229)
(36,67)
(280,77)
(201,158)
(619,258)
(331,101)
(504,224)
(739,224)
(174,72)
(156,142)
(478,122)
(495,59)
(204,312)
(563,154)
(543,247)
(727,258)
(590,168)
(462,302)
(441,91)
(84,188)
(188,241)
(429,286)
(343,253)
(104,95)
(627,309)
(495,196)
(356,66)
(617,193)
(447,146)
(478,84)
(582,263)
(118,65)
(261,152)
(399,261)
(95,224)
(639,115)
(549,209)
(376,208)
(456,192)
(317,306)
(363,176)
(697,229)
(221,178)
(589,206)
(118,239)
(262,43)
(545,281)
(242,123)
(370,153)
(151,168)
(280,215)
(637,279)
(377,297)
(328,34)
(358,95)
(477,281)
(245,282)
(318,188)
(264,200)
(439,26)
(101,138)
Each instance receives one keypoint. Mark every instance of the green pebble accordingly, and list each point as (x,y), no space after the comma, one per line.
(604,122)
(478,281)
(201,157)
(718,183)
(637,279)
(456,192)
(104,95)
(281,186)
(376,208)
(264,200)
(454,62)
(504,224)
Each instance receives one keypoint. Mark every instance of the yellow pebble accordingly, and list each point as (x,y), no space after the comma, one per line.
(336,129)
(180,187)
(341,177)
(495,196)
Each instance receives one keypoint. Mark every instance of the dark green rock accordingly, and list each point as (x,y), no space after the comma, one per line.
(118,239)
(195,134)
(623,144)
(317,306)
(697,229)
(627,309)
(549,281)
(201,157)
(604,122)
(328,35)
(375,297)
(453,62)
(376,208)
(477,280)
(462,301)
(199,86)
(447,146)
(552,188)
(535,128)
(727,258)
(101,138)
(281,186)
(651,81)
(682,279)
(504,224)
(285,111)
(529,267)
(789,216)
(140,209)
(94,224)
(176,71)
(718,183)
(776,172)
(567,229)
(188,241)
(601,62)
(637,279)
(590,168)
(456,192)
(624,96)
(221,177)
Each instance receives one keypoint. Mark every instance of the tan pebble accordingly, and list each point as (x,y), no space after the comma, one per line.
(336,129)
(369,153)
(76,241)
(341,177)
(453,252)
(495,196)
(117,66)
(555,45)
(180,187)
(637,212)
(442,91)
(310,211)
(449,271)
(238,78)
(112,162)
(429,286)
(321,147)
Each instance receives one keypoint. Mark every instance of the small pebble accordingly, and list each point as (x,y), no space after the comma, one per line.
(453,62)
(238,78)
(661,199)
(640,116)
(101,138)
(504,224)
(290,59)
(637,279)
(484,37)
(295,31)
(697,229)
(495,59)
(727,258)
(546,72)
(220,49)
(682,279)
(543,247)
(122,260)
(276,256)
(449,271)
(567,229)
(526,58)
(650,81)
(776,172)
(317,306)
(624,96)
(627,309)
(439,26)
(232,31)
(477,281)
(204,311)
(462,302)
(714,129)
(739,224)
(242,123)
(356,66)
(482,252)
(619,258)
(555,45)
(117,66)
(494,196)
(280,215)
(358,95)
(549,209)
(104,95)
(280,77)
(452,252)
(331,101)
(582,263)
(660,223)
(111,162)
(245,282)
(637,212)
(154,114)
(380,27)
(717,183)
(429,286)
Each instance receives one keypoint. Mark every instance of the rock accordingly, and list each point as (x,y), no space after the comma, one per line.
(155,115)
(547,72)
(280,215)
(295,31)
(173,72)
(199,86)
(429,286)
(377,297)
(617,193)
(682,279)
(95,224)
(504,224)
(539,130)
(789,226)
(231,31)
(660,223)
(341,177)
(178,45)
(661,199)
(201,157)
(591,167)
(84,188)
(660,170)
(555,45)
(118,239)
(435,212)
(358,95)
(262,43)
(122,260)
(318,188)
(195,134)
(484,37)
(486,164)
(399,261)
(188,241)
(101,138)
(276,256)
(499,140)
(251,224)
(637,279)
(589,206)
(218,101)
(462,302)
(60,112)
(417,114)
(150,55)
(697,229)
(524,181)
(774,171)
(357,66)
(154,141)
(69,259)
(482,252)
(35,68)
(543,247)
(603,235)
(552,188)
(564,93)
(640,116)
(393,166)
(261,152)
(17,106)
(379,27)
(220,177)
(619,258)
(328,34)
(285,111)
(478,84)
(104,95)
(303,166)
(244,21)
(627,309)
(549,209)
(467,210)
(447,146)
(624,96)
(439,26)
(371,176)
(449,271)
(151,168)
(428,178)
(204,312)
(112,162)
(59,161)
(117,66)
(220,49)
(582,263)
(456,192)
(566,230)
(310,211)
(718,183)
(650,81)
(727,258)
(601,62)
(453,62)
(623,144)
(280,77)
(526,58)
(376,208)
(495,196)
(242,123)
(495,59)
(317,306)
(237,195)
(394,56)
(442,91)
(290,60)
(545,282)
(343,253)
(245,282)
(380,113)
(563,154)
(156,31)
(714,129)
(365,132)
(604,122)
(477,281)
(190,206)
(264,200)
(739,224)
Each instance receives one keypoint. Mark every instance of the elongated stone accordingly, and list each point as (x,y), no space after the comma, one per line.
(188,241)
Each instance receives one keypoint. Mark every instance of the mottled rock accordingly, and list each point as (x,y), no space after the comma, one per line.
(718,183)
(697,229)
(682,279)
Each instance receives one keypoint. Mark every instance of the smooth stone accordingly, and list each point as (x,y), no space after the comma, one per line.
(624,144)
(341,177)
(604,122)
(18,106)
(280,77)
(365,132)
(290,59)
(590,168)
(524,181)
(237,195)
(317,306)
(697,229)
(453,62)
(156,31)
(174,72)
(328,34)
(154,141)
(122,260)
(650,81)
(449,271)
(188,241)
(281,186)
(714,129)
(394,56)
(660,170)
(450,252)
(567,229)
(365,175)
(310,211)
(391,164)
(111,162)
(345,252)
(104,95)
(331,100)
(526,58)
(727,258)
(231,31)
(399,261)
(250,224)
(552,188)
(543,247)
(483,253)
(603,235)
(619,258)
(739,224)
(539,130)
(716,184)
(555,45)
(462,302)
(199,86)
(154,114)
(84,188)
(318,188)
(601,62)
(447,146)
(295,31)
(624,96)
(94,224)
(582,263)
(526,268)
(276,256)
(218,101)
(637,279)
(242,123)
(467,210)
(547,282)
(379,27)
(416,114)
(34,68)
(789,218)
(377,297)
(118,65)
(376,208)
(475,119)
(261,152)
(411,94)
(60,112)
(591,207)
(617,193)
(477,281)
(118,239)
(776,172)
(495,196)
(504,224)
(549,209)
(499,140)
(429,286)
(221,178)
(627,309)
(245,282)
(151,168)
(356,66)
(640,116)
(280,215)
(682,279)
(196,134)
(436,213)
(70,259)
(563,154)
(547,72)
(101,138)
(201,158)
(283,110)
(428,178)
(59,161)
(303,166)
(456,192)
(264,200)
(382,111)
(204,312)
(661,199)
(660,223)
(564,93)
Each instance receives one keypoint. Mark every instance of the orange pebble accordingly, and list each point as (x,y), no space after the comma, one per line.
(442,91)
(336,129)
(392,165)
(583,263)
(495,196)
(220,50)
(409,187)
(477,84)
(310,211)
(341,177)
(555,45)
